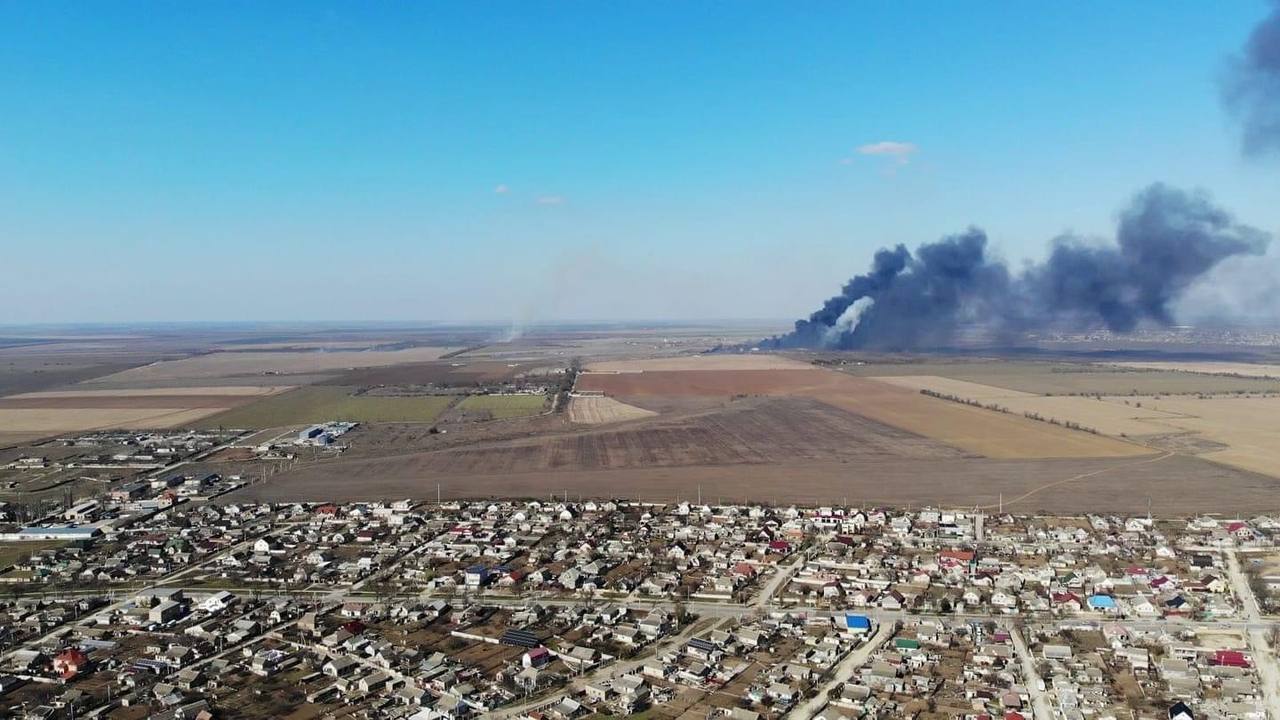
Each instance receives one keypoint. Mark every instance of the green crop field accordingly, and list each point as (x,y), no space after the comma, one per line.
(504,406)
(12,552)
(319,404)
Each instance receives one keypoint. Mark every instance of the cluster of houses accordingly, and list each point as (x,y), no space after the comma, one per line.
(558,609)
(937,668)
(939,562)
(1114,669)
(124,450)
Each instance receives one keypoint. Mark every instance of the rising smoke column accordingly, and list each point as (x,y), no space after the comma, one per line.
(1166,240)
(1251,88)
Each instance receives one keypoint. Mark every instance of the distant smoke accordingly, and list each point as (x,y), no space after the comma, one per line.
(849,319)
(1167,239)
(1252,86)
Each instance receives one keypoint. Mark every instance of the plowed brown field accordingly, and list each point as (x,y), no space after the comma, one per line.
(979,431)
(747,432)
(1171,483)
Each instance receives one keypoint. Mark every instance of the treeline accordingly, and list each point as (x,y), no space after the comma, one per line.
(567,381)
(1070,425)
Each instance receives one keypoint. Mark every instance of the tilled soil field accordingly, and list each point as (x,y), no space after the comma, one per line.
(441,372)
(130,402)
(747,432)
(979,431)
(1173,484)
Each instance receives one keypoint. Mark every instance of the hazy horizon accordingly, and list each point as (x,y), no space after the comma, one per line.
(537,162)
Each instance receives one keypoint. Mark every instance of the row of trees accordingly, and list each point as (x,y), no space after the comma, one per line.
(1030,415)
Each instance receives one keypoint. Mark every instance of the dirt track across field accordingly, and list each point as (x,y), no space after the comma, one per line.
(755,431)
(991,434)
(1175,485)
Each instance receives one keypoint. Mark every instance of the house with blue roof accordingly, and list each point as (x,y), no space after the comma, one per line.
(477,576)
(1103,603)
(857,624)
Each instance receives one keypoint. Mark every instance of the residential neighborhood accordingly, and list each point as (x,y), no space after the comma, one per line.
(562,609)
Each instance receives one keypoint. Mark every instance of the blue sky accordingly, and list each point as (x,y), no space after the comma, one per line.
(304,161)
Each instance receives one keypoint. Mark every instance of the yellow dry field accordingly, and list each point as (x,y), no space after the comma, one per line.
(308,345)
(1106,416)
(242,364)
(701,362)
(1210,368)
(1109,415)
(1250,427)
(598,410)
(247,391)
(44,421)
(948,386)
(984,432)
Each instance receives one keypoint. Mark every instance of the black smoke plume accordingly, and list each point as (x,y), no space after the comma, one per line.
(1166,240)
(1252,86)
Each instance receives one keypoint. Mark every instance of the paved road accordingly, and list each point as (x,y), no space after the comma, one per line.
(844,672)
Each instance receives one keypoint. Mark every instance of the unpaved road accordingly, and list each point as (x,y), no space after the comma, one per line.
(844,671)
(1262,653)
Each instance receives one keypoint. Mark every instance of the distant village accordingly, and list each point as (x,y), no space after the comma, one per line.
(155,601)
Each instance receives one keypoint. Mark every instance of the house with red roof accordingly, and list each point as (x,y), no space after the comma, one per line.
(1230,658)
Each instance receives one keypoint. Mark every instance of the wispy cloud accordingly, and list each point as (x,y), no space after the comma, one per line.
(550,200)
(502,189)
(900,152)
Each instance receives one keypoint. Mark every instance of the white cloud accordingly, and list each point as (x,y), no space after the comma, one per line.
(899,151)
(550,200)
(502,189)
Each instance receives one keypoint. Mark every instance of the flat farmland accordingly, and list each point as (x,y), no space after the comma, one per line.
(1045,378)
(216,399)
(264,363)
(1248,427)
(1104,415)
(10,439)
(52,412)
(720,383)
(50,421)
(1172,483)
(755,431)
(441,372)
(600,410)
(984,432)
(701,362)
(1238,430)
(979,431)
(318,404)
(806,434)
(502,407)
(951,386)
(1243,370)
(716,383)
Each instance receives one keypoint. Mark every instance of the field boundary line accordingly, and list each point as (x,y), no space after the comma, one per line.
(1076,478)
